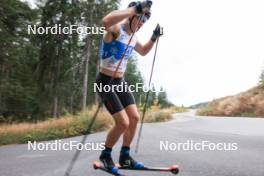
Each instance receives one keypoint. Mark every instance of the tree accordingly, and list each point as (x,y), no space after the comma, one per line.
(152,96)
(133,77)
(163,100)
(92,13)
(57,55)
(17,57)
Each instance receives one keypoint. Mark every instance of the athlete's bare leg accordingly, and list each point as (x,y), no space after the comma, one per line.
(133,117)
(121,124)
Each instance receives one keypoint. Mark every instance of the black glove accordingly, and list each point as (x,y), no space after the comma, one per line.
(143,7)
(157,33)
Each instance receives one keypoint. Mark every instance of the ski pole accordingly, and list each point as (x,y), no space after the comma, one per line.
(146,100)
(77,153)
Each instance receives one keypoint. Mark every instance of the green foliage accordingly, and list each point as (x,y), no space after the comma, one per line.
(163,100)
(17,57)
(152,96)
(58,53)
(133,76)
(34,69)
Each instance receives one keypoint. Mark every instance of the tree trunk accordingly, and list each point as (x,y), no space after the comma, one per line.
(56,82)
(86,73)
(55,106)
(71,104)
(96,97)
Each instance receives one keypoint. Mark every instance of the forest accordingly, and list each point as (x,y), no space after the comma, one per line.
(49,75)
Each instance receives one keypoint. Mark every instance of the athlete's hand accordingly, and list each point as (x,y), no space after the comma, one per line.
(143,6)
(158,31)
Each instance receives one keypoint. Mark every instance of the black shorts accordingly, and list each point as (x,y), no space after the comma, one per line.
(118,97)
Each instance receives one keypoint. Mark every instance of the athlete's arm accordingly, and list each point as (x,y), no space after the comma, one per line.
(144,49)
(111,22)
(117,16)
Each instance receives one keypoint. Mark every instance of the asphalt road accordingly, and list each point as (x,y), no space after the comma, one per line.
(245,157)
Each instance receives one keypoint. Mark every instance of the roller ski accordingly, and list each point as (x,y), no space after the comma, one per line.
(113,171)
(174,169)
(128,163)
(125,162)
(107,165)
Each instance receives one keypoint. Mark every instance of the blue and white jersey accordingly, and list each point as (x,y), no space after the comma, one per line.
(111,53)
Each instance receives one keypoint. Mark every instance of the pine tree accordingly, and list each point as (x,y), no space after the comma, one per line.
(163,100)
(17,57)
(133,77)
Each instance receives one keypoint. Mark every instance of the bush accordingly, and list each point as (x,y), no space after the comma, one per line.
(2,119)
(208,110)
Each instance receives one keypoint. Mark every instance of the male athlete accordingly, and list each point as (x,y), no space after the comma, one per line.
(120,26)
